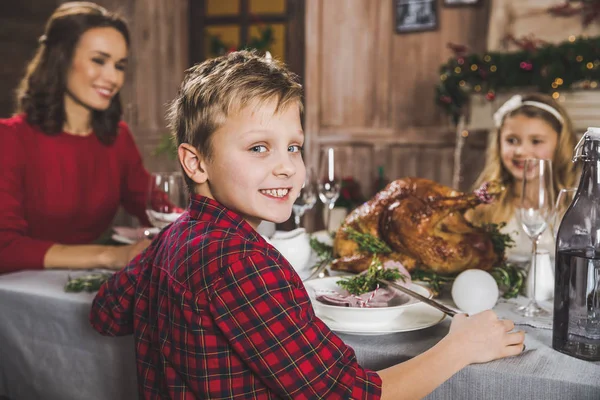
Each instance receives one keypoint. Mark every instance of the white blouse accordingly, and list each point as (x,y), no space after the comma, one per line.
(521,251)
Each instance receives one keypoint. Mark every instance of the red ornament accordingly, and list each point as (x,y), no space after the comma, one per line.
(445,99)
(461,60)
(490,96)
(526,66)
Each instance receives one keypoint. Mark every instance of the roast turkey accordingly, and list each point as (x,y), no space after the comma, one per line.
(423,223)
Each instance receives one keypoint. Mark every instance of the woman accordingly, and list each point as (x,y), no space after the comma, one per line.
(530,126)
(67,160)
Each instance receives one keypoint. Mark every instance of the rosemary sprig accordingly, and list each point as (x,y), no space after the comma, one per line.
(500,241)
(510,278)
(368,243)
(90,282)
(323,251)
(435,281)
(367,282)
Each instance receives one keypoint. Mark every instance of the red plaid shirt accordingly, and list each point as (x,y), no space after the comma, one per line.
(218,313)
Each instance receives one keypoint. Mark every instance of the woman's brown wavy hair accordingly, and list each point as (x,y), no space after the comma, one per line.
(40,95)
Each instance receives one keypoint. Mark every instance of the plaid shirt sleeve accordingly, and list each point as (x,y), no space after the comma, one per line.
(112,308)
(265,313)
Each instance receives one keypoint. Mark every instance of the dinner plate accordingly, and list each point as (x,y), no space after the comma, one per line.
(416,316)
(127,235)
(420,316)
(122,239)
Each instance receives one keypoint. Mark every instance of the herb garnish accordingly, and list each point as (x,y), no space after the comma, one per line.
(90,282)
(500,241)
(367,282)
(368,243)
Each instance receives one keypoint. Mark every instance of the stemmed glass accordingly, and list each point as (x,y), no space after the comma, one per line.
(166,199)
(563,201)
(330,180)
(537,203)
(306,198)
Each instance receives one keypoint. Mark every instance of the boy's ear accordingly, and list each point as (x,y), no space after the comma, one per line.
(192,162)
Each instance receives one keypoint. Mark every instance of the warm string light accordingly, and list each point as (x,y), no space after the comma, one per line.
(473,73)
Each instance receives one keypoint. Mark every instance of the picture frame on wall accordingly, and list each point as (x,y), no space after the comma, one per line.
(457,3)
(415,15)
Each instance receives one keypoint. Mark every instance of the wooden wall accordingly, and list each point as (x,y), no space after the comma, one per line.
(158,59)
(371,91)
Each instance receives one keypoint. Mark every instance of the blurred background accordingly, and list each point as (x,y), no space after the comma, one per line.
(403,87)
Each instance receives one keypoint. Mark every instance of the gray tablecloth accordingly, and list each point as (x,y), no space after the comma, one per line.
(539,373)
(49,351)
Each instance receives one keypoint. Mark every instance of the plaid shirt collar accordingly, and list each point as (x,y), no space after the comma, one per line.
(205,209)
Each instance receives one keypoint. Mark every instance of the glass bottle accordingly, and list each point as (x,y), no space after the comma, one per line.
(576,327)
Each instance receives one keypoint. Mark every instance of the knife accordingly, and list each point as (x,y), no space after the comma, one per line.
(448,311)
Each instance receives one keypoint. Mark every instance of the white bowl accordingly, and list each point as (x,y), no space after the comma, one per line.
(375,317)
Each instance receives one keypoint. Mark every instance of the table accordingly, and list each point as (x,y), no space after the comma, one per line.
(48,350)
(539,373)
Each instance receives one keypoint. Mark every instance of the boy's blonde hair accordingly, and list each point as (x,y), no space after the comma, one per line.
(564,171)
(217,87)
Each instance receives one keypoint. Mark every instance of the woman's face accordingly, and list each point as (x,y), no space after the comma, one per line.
(97,71)
(522,137)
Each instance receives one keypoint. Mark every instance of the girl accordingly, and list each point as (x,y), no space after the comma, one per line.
(530,126)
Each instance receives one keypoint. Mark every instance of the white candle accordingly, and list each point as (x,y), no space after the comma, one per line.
(331,164)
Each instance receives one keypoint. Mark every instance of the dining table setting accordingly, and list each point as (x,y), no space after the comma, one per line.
(387,300)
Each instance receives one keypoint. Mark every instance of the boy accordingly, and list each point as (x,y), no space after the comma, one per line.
(215,310)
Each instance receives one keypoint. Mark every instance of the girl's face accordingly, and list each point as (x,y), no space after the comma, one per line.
(97,71)
(522,137)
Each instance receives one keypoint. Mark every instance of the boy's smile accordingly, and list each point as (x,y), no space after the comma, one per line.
(256,166)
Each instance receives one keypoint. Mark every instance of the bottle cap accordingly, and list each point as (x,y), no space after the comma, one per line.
(593,132)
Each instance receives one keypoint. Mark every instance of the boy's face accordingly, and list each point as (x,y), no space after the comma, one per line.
(256,168)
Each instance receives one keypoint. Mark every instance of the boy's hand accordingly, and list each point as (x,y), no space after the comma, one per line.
(483,337)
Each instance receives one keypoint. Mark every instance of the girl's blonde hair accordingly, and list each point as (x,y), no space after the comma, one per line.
(564,171)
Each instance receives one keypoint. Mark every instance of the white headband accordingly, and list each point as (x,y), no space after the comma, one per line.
(516,102)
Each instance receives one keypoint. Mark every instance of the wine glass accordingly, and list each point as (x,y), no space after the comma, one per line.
(563,201)
(330,180)
(307,197)
(536,210)
(166,199)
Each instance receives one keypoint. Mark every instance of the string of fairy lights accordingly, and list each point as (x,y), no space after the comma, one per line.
(549,68)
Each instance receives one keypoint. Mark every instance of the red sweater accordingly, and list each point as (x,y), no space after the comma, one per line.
(62,189)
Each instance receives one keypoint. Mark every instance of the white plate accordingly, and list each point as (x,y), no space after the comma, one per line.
(415,317)
(122,239)
(129,235)
(420,316)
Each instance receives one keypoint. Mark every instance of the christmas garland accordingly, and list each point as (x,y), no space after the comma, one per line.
(549,68)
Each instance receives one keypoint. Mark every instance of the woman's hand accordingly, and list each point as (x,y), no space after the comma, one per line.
(122,255)
(483,337)
(87,256)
